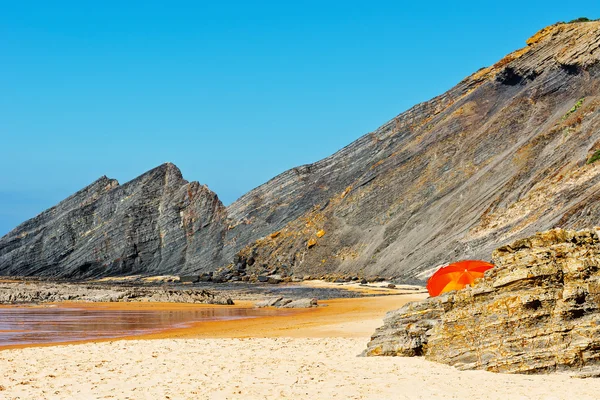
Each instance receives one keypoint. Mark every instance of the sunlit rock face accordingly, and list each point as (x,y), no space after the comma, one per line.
(538,310)
(507,152)
(502,155)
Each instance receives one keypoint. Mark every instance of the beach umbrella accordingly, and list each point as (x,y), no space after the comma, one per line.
(456,276)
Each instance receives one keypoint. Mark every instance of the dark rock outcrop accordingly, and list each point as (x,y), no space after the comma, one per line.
(505,153)
(537,311)
(156,223)
(39,292)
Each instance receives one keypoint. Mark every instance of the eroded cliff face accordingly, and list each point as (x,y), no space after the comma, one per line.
(538,310)
(501,155)
(158,222)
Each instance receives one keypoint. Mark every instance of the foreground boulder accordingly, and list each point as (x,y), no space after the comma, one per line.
(537,311)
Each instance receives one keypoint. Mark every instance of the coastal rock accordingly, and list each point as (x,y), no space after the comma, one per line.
(537,311)
(268,303)
(274,279)
(302,303)
(280,302)
(406,331)
(154,224)
(283,302)
(21,293)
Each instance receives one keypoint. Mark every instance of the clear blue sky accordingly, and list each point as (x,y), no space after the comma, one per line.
(231,92)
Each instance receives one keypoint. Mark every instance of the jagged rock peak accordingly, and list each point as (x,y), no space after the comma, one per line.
(153,223)
(96,188)
(169,172)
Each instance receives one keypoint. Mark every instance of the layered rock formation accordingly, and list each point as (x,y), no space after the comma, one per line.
(39,292)
(281,302)
(538,310)
(501,155)
(157,222)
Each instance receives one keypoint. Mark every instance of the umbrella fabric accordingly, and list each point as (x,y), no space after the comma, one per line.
(456,276)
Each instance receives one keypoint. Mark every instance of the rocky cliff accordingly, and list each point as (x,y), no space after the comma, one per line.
(505,153)
(157,222)
(538,310)
(502,155)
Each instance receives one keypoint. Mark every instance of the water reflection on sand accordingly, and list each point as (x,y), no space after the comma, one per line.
(33,325)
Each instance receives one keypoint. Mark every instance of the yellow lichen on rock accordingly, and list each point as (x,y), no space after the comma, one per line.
(541,34)
(345,193)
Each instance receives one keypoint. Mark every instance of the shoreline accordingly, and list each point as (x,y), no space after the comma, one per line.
(32,292)
(332,318)
(345,317)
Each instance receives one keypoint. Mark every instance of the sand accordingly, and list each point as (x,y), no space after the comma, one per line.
(257,368)
(309,355)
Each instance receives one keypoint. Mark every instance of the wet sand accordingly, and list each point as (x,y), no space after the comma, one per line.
(27,325)
(354,317)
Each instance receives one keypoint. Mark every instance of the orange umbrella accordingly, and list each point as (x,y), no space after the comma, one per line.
(456,276)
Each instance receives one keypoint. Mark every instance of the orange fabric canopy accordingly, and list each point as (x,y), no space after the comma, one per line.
(456,276)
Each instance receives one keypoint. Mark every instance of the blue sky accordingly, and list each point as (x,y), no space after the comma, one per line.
(231,92)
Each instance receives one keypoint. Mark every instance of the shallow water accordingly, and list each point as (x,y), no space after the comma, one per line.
(34,325)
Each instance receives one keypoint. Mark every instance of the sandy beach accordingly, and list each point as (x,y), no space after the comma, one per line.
(309,355)
(257,368)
